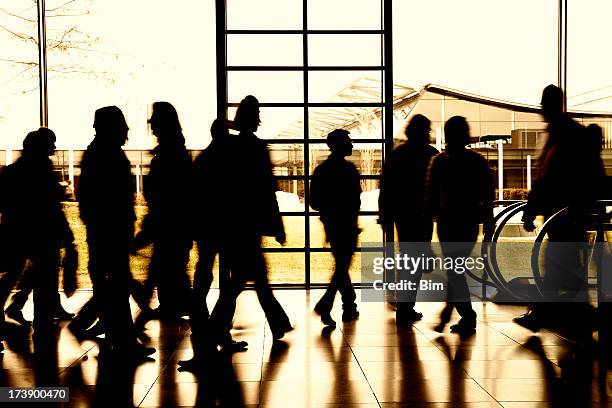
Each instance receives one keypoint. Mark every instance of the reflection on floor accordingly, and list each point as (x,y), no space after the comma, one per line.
(368,363)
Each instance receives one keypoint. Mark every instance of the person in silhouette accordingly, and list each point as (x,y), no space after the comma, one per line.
(401,202)
(459,194)
(212,209)
(570,175)
(335,191)
(32,214)
(167,191)
(251,209)
(106,202)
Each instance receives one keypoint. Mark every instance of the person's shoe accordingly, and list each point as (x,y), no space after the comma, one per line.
(279,333)
(529,321)
(192,365)
(408,317)
(15,313)
(326,318)
(350,315)
(235,347)
(440,327)
(464,327)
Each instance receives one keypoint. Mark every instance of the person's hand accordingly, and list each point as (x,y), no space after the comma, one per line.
(281,238)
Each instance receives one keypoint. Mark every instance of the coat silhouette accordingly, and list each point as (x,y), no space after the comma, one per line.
(105,193)
(335,191)
(168,221)
(32,215)
(460,193)
(402,202)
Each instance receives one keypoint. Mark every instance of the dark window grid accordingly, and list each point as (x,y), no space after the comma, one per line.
(306,32)
(315,104)
(305,68)
(256,68)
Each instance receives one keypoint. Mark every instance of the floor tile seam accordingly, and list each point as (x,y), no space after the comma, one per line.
(360,367)
(164,367)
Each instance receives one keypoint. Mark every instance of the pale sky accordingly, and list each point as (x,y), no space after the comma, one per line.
(145,51)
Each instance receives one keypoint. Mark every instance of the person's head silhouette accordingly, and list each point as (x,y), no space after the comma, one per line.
(339,142)
(165,123)
(39,143)
(247,115)
(218,129)
(552,103)
(594,139)
(111,127)
(418,129)
(457,133)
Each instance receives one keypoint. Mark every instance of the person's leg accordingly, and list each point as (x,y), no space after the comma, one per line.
(203,276)
(14,269)
(326,303)
(45,263)
(275,314)
(25,286)
(414,234)
(343,255)
(174,289)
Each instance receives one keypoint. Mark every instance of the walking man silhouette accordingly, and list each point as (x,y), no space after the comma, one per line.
(106,201)
(30,203)
(460,194)
(402,202)
(335,191)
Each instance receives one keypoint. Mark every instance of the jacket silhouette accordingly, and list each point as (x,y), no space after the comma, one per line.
(402,202)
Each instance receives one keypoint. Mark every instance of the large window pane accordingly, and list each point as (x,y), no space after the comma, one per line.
(264,49)
(264,14)
(132,66)
(344,14)
(504,50)
(19,93)
(266,86)
(343,50)
(345,86)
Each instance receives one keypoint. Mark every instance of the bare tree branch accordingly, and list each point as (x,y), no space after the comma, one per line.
(18,16)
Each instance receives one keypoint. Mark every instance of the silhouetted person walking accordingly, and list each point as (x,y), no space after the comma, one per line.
(106,202)
(210,181)
(167,223)
(460,193)
(335,192)
(402,202)
(249,196)
(30,203)
(570,175)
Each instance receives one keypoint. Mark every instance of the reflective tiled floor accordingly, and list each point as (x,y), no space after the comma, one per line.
(368,363)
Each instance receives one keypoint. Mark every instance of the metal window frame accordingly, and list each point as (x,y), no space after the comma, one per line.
(386,105)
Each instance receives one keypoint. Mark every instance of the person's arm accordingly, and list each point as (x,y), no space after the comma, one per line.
(315,190)
(432,187)
(488,198)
